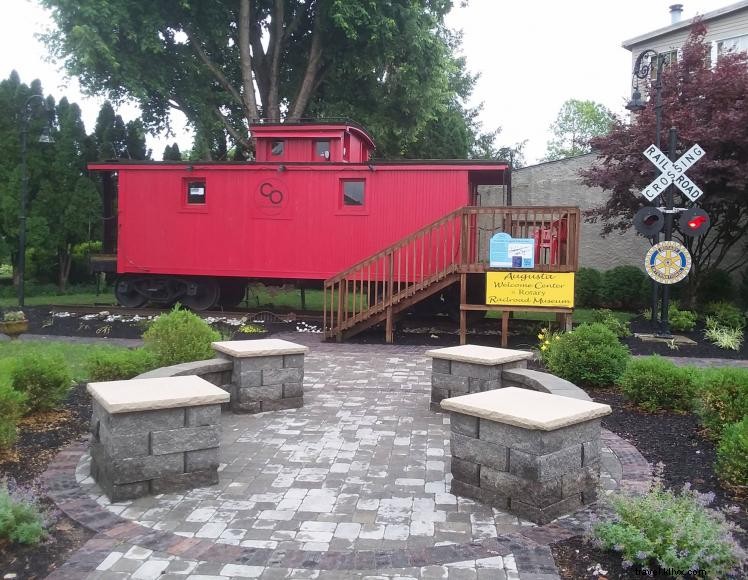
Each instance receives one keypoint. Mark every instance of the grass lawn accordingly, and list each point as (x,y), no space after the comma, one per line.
(85,299)
(74,354)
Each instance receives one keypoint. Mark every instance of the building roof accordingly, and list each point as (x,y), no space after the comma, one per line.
(629,44)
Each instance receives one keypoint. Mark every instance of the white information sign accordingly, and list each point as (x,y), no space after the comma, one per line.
(673,172)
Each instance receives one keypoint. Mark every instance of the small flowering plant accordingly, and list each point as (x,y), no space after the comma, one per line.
(14,316)
(252,329)
(22,520)
(672,531)
(546,338)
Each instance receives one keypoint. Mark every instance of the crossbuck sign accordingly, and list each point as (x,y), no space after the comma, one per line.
(673,172)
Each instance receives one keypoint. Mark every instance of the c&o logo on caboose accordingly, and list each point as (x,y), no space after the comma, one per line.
(271,199)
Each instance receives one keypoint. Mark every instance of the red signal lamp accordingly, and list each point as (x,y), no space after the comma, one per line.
(697,222)
(694,222)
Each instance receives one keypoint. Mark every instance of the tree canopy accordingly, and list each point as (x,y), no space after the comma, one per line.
(708,105)
(577,123)
(227,63)
(63,203)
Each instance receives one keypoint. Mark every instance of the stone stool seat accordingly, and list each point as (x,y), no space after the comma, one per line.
(469,368)
(268,374)
(155,435)
(533,454)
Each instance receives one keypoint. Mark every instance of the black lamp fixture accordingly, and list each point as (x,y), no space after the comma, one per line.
(636,103)
(46,137)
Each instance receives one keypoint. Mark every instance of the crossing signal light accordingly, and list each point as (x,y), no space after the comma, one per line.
(694,222)
(648,221)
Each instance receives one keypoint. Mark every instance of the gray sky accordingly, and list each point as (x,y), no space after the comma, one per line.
(531,55)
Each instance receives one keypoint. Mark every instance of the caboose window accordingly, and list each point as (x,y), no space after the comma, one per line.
(196,192)
(277,147)
(353,192)
(322,148)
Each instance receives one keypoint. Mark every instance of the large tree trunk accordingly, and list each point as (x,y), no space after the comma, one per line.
(309,82)
(274,48)
(65,261)
(245,61)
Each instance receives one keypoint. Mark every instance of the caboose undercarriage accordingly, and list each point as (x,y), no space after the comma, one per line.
(196,293)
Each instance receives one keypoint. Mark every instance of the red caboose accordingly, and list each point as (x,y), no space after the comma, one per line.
(312,204)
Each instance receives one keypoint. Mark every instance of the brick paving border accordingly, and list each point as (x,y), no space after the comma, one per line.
(530,546)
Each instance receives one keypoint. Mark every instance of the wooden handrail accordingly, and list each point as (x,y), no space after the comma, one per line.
(393,247)
(456,242)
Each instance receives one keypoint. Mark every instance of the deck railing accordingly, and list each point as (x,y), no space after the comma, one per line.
(435,254)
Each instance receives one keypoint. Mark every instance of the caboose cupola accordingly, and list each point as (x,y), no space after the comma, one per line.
(312,142)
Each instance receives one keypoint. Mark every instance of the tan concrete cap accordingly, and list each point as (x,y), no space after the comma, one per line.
(479,355)
(152,394)
(527,409)
(261,347)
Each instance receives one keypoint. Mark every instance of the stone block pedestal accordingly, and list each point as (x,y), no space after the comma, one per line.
(155,435)
(460,370)
(533,454)
(268,374)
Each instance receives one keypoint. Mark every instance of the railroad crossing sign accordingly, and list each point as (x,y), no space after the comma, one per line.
(673,172)
(667,262)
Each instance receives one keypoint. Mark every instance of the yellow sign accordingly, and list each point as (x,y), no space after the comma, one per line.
(551,289)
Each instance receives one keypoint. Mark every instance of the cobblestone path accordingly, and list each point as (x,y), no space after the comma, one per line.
(354,485)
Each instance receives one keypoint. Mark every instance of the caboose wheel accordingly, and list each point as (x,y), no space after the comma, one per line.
(201,295)
(232,293)
(127,295)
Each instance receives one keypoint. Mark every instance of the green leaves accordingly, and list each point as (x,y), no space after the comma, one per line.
(389,65)
(577,123)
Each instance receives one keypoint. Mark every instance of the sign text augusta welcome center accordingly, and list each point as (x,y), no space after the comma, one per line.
(530,289)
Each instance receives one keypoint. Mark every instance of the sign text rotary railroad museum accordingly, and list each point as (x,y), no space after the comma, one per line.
(549,289)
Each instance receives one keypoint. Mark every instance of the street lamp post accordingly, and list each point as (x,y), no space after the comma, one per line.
(46,137)
(641,71)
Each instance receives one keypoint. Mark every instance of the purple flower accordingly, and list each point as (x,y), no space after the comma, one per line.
(641,555)
(626,564)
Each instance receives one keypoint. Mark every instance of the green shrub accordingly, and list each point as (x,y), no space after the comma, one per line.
(726,314)
(671,530)
(732,454)
(717,286)
(681,320)
(589,356)
(723,397)
(606,317)
(12,405)
(723,336)
(119,364)
(179,336)
(44,379)
(655,383)
(626,287)
(588,287)
(20,519)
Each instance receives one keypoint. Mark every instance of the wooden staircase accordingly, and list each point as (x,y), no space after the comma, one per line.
(427,261)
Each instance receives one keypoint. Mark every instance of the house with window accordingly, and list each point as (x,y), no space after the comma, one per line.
(727,30)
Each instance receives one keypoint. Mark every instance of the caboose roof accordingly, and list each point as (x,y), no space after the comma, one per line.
(434,164)
(314,130)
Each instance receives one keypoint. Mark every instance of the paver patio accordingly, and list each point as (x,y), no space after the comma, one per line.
(353,485)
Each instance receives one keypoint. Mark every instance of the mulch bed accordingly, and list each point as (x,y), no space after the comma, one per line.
(675,440)
(702,349)
(40,437)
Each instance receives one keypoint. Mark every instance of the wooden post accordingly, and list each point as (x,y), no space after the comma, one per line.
(463,314)
(504,328)
(389,335)
(303,298)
